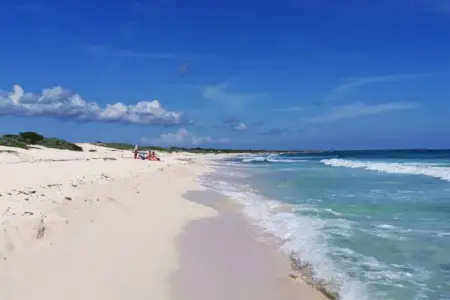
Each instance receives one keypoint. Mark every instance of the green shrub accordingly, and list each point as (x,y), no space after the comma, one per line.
(23,139)
(31,137)
(59,144)
(12,142)
(118,146)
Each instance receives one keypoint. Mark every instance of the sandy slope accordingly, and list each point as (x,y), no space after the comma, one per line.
(77,227)
(100,225)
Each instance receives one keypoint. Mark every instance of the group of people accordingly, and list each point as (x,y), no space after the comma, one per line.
(148,155)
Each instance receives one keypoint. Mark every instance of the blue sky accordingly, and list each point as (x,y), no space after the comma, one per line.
(273,74)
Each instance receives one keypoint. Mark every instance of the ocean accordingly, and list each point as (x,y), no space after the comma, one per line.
(365,224)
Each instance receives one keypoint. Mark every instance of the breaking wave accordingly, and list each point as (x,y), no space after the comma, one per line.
(393,168)
(268,159)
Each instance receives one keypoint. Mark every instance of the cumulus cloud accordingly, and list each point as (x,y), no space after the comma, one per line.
(61,103)
(355,110)
(182,137)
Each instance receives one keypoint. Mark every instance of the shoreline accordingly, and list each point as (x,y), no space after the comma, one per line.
(303,272)
(120,228)
(225,249)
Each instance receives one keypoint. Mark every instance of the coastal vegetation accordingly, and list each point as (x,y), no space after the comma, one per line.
(30,139)
(124,146)
(26,140)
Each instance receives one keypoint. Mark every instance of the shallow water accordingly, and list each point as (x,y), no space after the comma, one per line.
(374,225)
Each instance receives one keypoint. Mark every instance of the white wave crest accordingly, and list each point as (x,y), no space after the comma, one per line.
(268,159)
(393,168)
(303,235)
(254,159)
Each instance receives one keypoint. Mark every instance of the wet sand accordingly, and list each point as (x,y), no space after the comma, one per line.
(220,258)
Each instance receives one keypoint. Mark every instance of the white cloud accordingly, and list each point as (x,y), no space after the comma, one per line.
(175,138)
(61,103)
(371,80)
(240,127)
(235,124)
(344,89)
(355,110)
(182,137)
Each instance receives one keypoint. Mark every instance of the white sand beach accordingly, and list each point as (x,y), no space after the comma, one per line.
(100,225)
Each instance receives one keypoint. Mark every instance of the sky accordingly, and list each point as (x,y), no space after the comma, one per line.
(285,74)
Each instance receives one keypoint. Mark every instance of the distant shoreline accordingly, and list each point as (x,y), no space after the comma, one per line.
(26,140)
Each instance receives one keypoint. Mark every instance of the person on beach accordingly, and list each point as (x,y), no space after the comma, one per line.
(135,151)
(153,156)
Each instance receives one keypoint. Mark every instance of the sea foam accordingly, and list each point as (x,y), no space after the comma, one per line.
(393,168)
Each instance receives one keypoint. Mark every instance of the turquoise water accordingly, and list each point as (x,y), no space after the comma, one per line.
(373,225)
